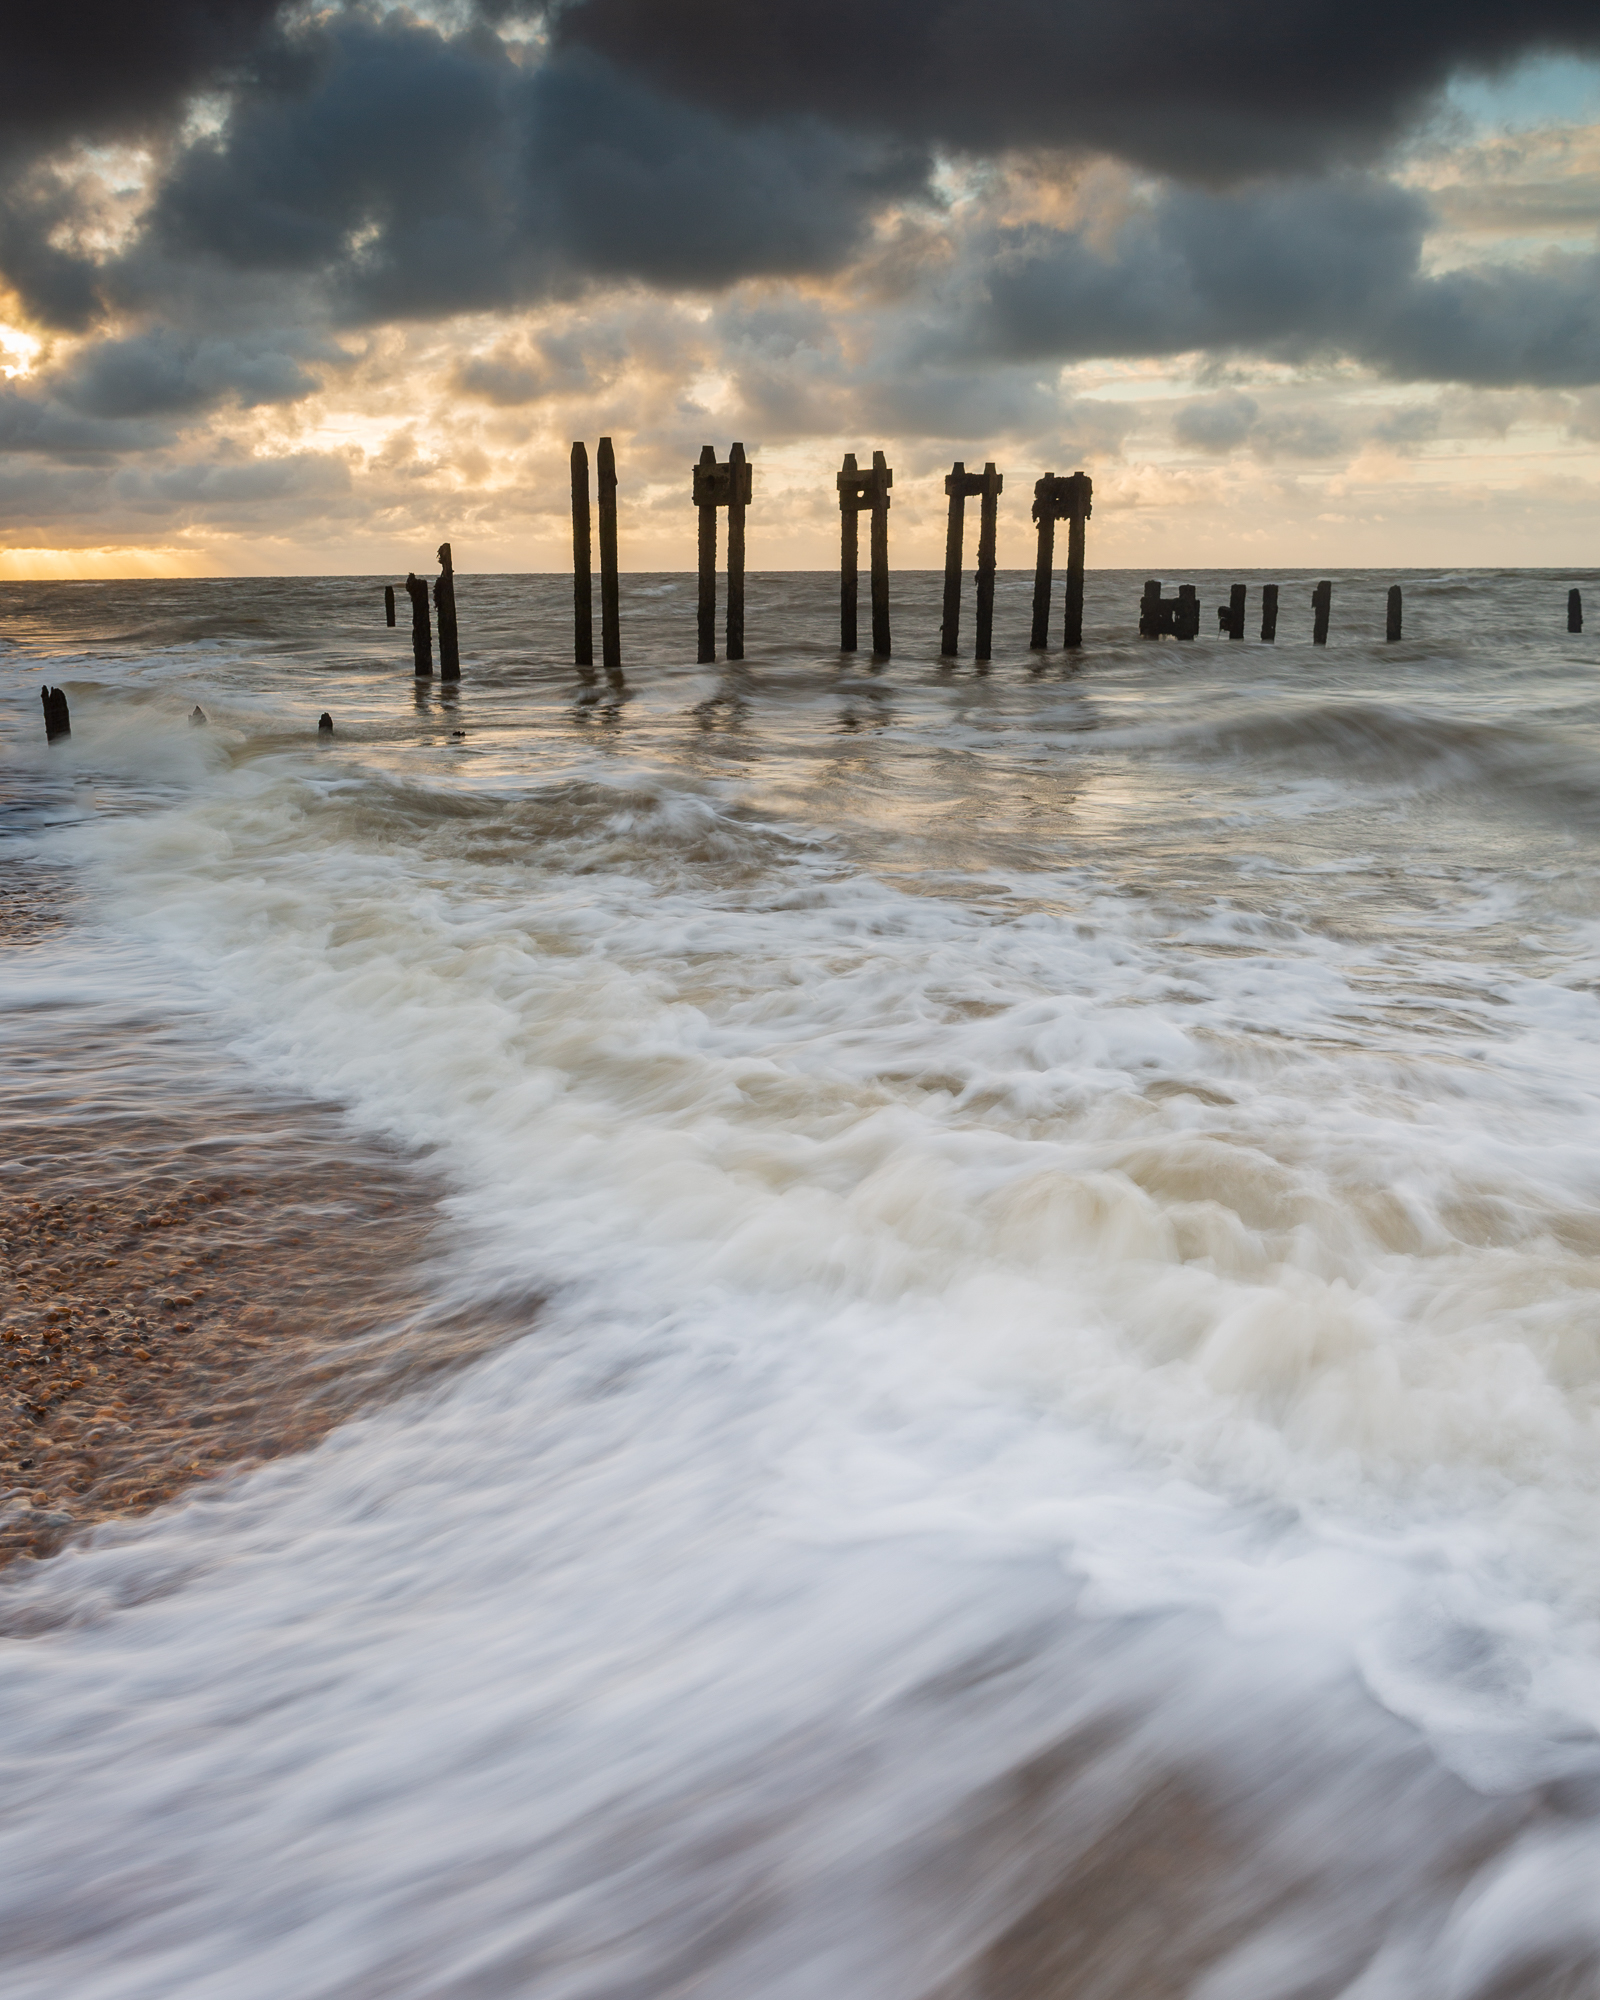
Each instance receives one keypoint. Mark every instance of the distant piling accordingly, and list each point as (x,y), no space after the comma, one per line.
(388,604)
(582,566)
(444,600)
(1392,619)
(729,485)
(610,591)
(705,481)
(1169,617)
(961,485)
(988,533)
(421,628)
(956,488)
(739,495)
(1230,616)
(882,480)
(1269,612)
(324,724)
(1321,607)
(57,721)
(1059,497)
(1574,610)
(850,487)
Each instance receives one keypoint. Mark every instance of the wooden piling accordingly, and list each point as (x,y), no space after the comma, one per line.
(988,526)
(421,629)
(57,721)
(324,724)
(1574,610)
(1150,609)
(610,599)
(882,480)
(1186,618)
(1269,612)
(955,486)
(1044,566)
(738,499)
(849,484)
(1237,594)
(388,604)
(1079,502)
(705,499)
(1321,606)
(1391,630)
(444,601)
(582,566)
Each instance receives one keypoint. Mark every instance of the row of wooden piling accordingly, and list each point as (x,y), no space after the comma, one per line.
(444,602)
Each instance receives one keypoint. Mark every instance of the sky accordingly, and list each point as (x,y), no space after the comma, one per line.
(311,288)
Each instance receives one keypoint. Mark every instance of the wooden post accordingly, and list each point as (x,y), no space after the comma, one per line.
(1391,630)
(738,498)
(610,603)
(1269,612)
(955,486)
(882,480)
(988,521)
(1574,610)
(388,604)
(444,599)
(421,630)
(1044,567)
(1186,619)
(1321,606)
(1150,609)
(1079,503)
(582,566)
(1236,598)
(849,483)
(57,722)
(324,724)
(705,478)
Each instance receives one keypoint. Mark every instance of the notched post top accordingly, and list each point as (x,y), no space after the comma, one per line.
(713,482)
(1063,496)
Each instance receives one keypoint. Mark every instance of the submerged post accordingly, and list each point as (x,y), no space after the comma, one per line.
(1391,630)
(610,602)
(1269,612)
(1059,498)
(1230,616)
(705,499)
(1574,610)
(882,480)
(582,566)
(1321,605)
(1044,567)
(421,629)
(57,722)
(955,486)
(739,494)
(388,604)
(1079,501)
(444,599)
(993,484)
(849,484)
(1150,609)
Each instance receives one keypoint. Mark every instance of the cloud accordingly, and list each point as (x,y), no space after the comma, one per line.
(162,373)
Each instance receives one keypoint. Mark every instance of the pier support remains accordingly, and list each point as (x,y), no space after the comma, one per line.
(1269,612)
(1230,616)
(1391,624)
(1574,610)
(864,492)
(610,596)
(850,488)
(582,566)
(1321,606)
(421,628)
(1169,617)
(444,602)
(388,604)
(57,722)
(960,485)
(1059,498)
(730,485)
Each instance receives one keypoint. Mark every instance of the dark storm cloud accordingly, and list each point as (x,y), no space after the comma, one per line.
(1235,87)
(162,373)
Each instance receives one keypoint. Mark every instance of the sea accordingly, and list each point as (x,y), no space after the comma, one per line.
(1045,1221)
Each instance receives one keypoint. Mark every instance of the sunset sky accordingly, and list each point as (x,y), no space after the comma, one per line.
(311,288)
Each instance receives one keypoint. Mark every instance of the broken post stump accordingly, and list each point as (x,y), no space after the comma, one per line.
(1058,497)
(1236,599)
(1321,605)
(1169,617)
(324,724)
(960,485)
(610,596)
(1186,617)
(849,483)
(444,601)
(1269,612)
(57,722)
(1574,610)
(421,628)
(582,566)
(1391,629)
(388,604)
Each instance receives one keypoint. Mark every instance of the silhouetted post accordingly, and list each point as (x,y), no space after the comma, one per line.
(57,722)
(882,480)
(1269,612)
(705,477)
(610,601)
(388,604)
(849,483)
(1044,567)
(1391,630)
(1186,616)
(1233,611)
(324,724)
(421,630)
(739,494)
(1321,605)
(993,484)
(1574,610)
(1058,498)
(444,599)
(1079,499)
(582,566)
(955,486)
(1150,609)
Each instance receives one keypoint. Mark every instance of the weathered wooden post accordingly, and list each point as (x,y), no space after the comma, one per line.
(444,599)
(1574,610)
(421,629)
(705,498)
(1186,613)
(1044,567)
(1149,608)
(324,724)
(1321,606)
(882,480)
(1230,616)
(988,524)
(1079,499)
(959,485)
(57,722)
(739,495)
(1269,612)
(849,483)
(610,598)
(1058,498)
(582,566)
(956,487)
(1391,629)
(388,604)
